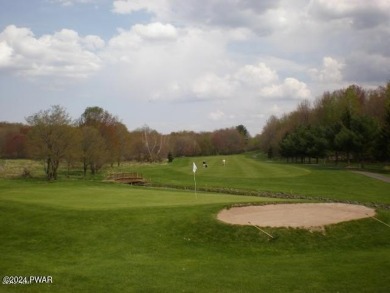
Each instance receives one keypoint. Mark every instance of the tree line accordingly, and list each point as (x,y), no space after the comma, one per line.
(98,138)
(351,124)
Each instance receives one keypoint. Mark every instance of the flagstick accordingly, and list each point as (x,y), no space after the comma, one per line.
(194,168)
(196,194)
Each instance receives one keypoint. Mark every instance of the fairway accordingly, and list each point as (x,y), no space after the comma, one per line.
(93,236)
(247,172)
(240,166)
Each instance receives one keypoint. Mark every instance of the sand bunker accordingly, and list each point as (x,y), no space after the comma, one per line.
(306,215)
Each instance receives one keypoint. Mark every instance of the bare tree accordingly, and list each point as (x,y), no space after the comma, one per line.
(114,133)
(93,149)
(154,143)
(51,137)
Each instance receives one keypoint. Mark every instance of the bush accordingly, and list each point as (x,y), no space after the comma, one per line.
(26,173)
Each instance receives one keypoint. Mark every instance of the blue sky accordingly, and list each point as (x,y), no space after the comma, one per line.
(187,65)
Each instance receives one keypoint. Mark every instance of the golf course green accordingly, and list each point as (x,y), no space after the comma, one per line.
(97,236)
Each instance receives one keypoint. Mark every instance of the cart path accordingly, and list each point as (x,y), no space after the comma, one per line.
(374,175)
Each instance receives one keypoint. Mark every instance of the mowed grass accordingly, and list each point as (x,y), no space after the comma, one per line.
(81,195)
(104,237)
(247,172)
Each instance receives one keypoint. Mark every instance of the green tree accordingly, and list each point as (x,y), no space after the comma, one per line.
(365,129)
(170,157)
(356,136)
(287,147)
(96,117)
(345,141)
(317,144)
(382,145)
(330,132)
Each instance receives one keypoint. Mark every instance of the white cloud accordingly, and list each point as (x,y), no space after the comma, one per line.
(71,2)
(191,40)
(360,14)
(341,8)
(162,62)
(5,54)
(330,72)
(211,86)
(249,82)
(240,34)
(261,16)
(156,31)
(290,88)
(130,6)
(91,42)
(63,54)
(195,65)
(217,115)
(256,75)
(123,43)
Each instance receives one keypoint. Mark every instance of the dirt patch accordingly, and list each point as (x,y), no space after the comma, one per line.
(306,215)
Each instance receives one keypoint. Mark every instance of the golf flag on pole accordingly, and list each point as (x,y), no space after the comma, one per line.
(194,168)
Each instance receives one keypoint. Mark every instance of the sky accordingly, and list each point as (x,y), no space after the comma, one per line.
(196,65)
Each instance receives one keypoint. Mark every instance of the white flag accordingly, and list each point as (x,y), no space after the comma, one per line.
(194,168)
